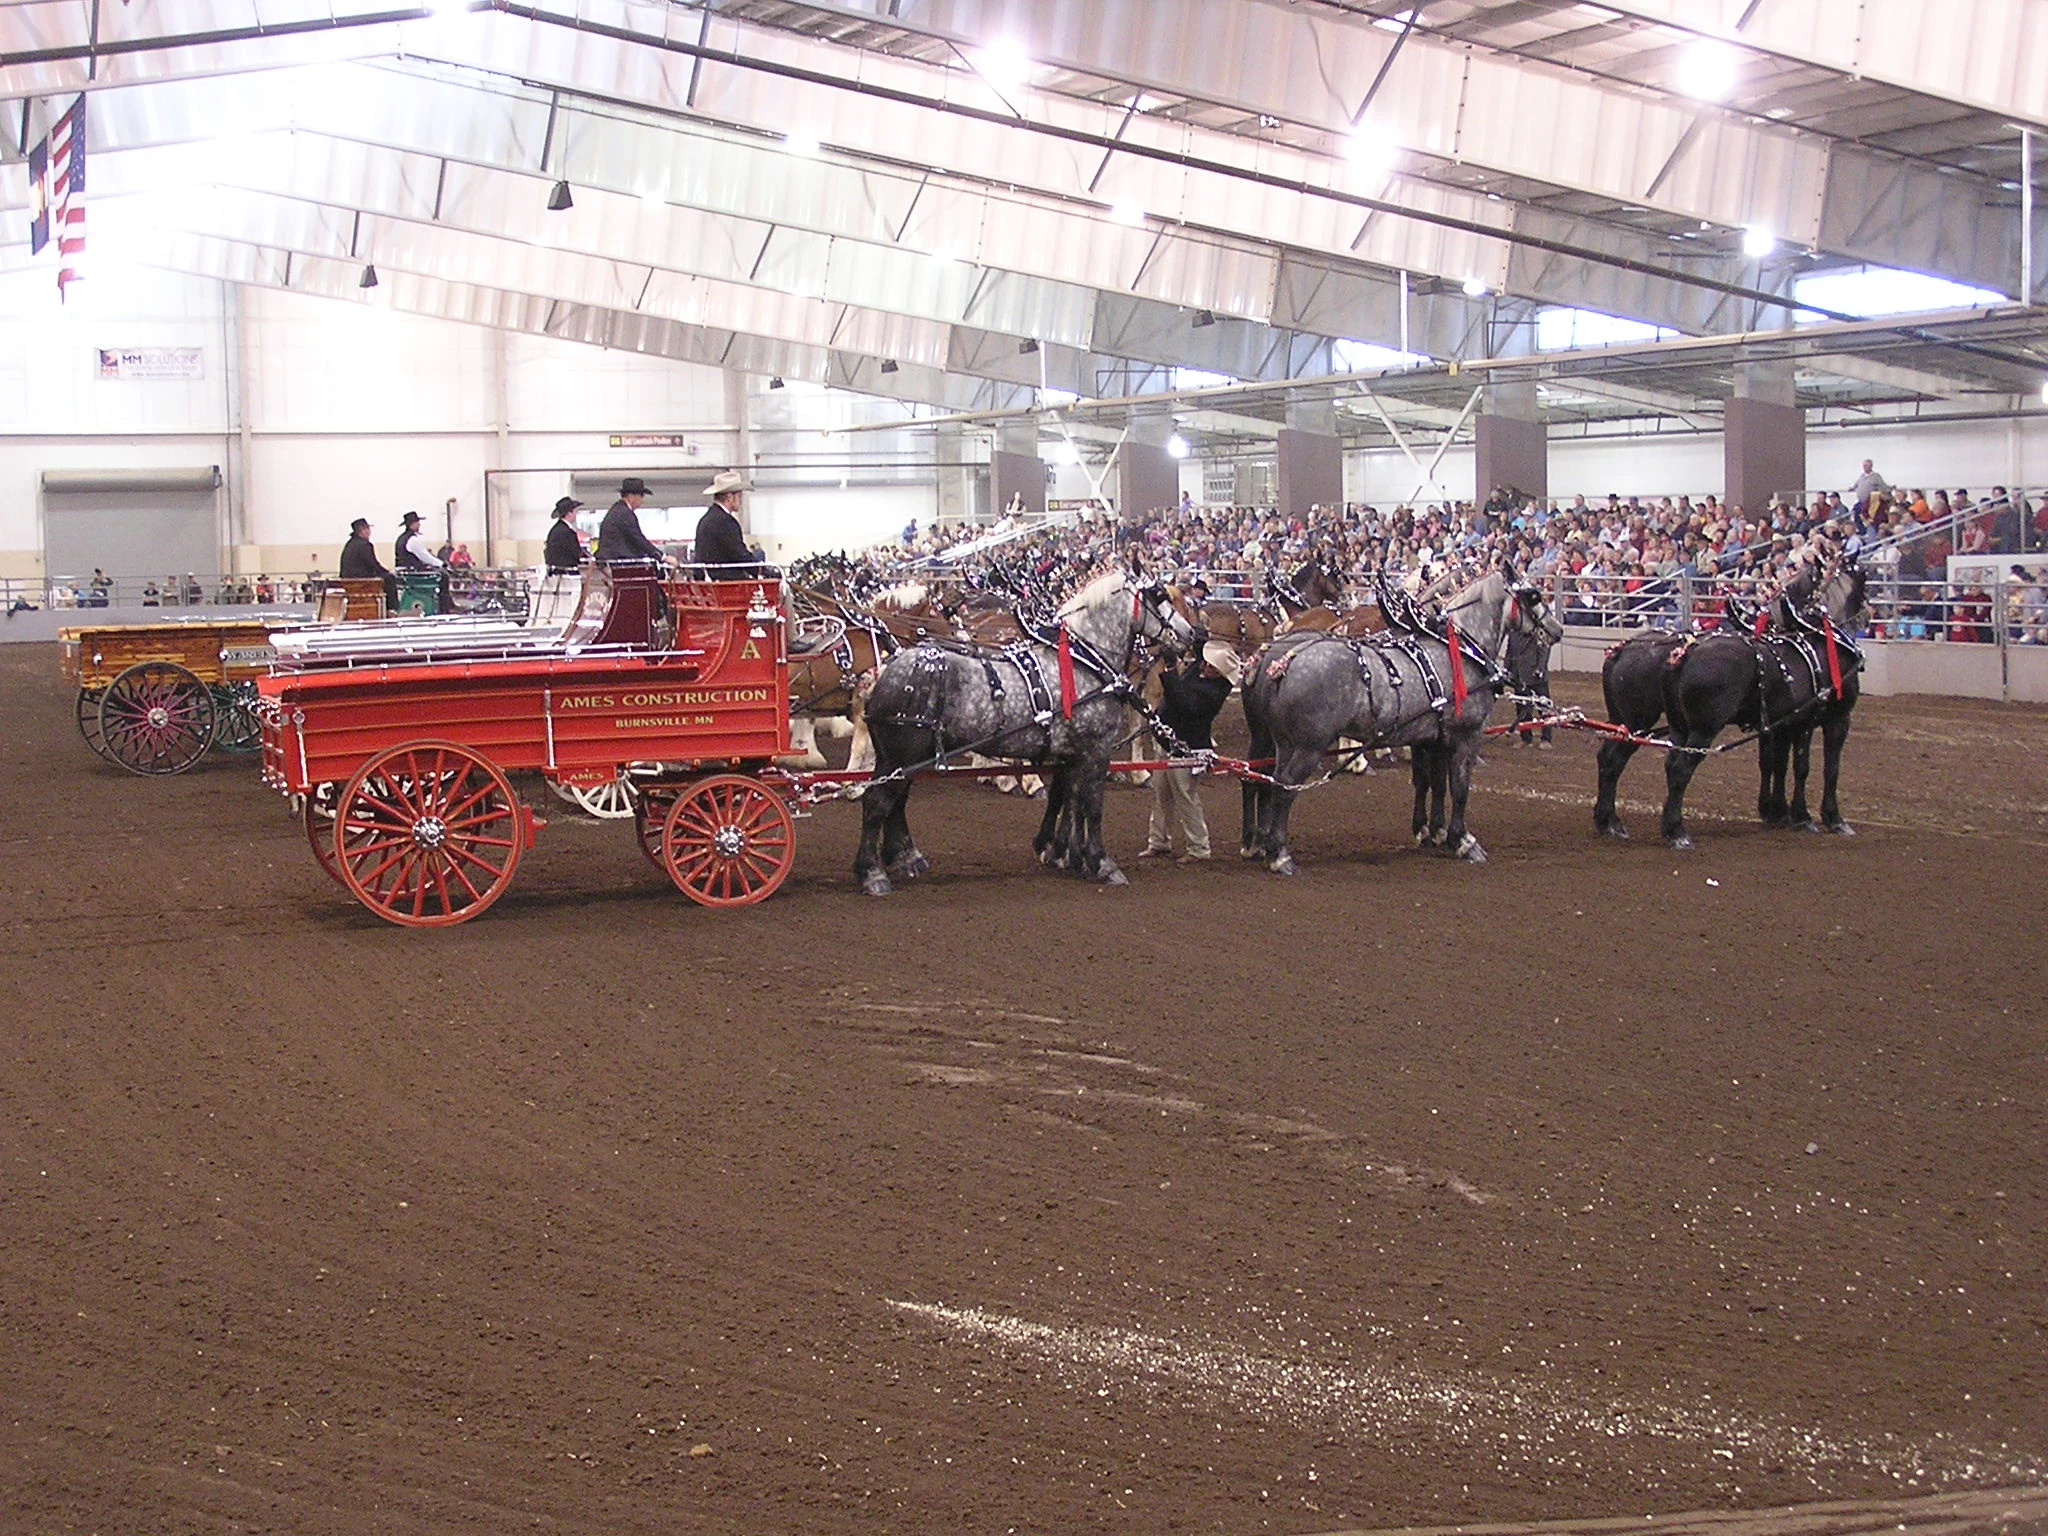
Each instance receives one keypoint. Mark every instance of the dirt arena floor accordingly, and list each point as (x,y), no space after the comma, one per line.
(1596,1182)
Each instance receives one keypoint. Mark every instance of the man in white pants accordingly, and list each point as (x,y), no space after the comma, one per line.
(1190,699)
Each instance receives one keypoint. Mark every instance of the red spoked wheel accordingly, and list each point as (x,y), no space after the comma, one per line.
(157,718)
(728,841)
(428,834)
(318,813)
(651,805)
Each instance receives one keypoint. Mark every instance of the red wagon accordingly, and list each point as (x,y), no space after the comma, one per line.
(399,749)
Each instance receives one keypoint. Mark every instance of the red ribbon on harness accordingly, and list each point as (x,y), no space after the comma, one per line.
(1066,676)
(1457,665)
(1827,628)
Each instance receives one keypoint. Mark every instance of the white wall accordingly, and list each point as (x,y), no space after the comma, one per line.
(1971,454)
(352,410)
(788,521)
(57,413)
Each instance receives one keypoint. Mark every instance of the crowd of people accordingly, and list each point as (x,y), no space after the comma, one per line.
(1615,560)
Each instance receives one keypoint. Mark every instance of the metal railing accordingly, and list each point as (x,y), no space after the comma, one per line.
(1958,613)
(470,588)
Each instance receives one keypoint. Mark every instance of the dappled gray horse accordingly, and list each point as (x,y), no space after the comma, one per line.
(1390,689)
(1009,703)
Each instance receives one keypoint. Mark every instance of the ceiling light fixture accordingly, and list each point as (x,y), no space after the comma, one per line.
(1026,347)
(1177,446)
(1758,242)
(1204,317)
(1371,149)
(1126,213)
(368,279)
(1475,287)
(1708,70)
(1003,64)
(801,141)
(559,199)
(888,365)
(775,382)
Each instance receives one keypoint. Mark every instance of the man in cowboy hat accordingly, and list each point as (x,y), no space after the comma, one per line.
(565,555)
(410,553)
(359,562)
(619,537)
(720,540)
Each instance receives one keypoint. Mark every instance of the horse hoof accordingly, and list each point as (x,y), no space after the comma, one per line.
(1615,830)
(1842,829)
(910,866)
(1111,875)
(1679,841)
(1808,825)
(1247,851)
(1284,865)
(1470,851)
(1422,837)
(876,884)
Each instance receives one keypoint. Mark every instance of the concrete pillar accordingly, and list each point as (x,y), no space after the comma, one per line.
(1309,459)
(956,499)
(737,413)
(1147,476)
(1016,472)
(1513,449)
(1763,438)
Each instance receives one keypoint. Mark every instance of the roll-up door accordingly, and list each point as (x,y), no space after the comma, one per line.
(132,522)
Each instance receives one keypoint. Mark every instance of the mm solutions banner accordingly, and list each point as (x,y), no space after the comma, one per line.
(152,362)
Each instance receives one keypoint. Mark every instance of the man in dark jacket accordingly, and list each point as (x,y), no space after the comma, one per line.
(1190,698)
(619,537)
(720,539)
(565,555)
(359,562)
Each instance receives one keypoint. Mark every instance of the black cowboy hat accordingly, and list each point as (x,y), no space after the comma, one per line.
(633,485)
(359,525)
(410,518)
(566,505)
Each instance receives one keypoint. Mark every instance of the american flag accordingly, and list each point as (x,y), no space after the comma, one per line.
(57,177)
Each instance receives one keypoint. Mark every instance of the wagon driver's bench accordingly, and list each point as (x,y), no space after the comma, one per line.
(399,760)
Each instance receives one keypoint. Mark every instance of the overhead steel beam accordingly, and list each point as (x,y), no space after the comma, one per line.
(1912,381)
(1988,54)
(1196,179)
(591,324)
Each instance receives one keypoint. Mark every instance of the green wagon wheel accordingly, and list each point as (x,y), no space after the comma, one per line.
(157,718)
(236,726)
(88,708)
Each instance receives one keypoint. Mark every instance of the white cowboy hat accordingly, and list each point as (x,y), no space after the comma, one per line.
(729,480)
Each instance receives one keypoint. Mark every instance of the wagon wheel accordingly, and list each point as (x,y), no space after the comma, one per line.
(728,841)
(428,834)
(89,720)
(157,718)
(236,726)
(610,801)
(318,814)
(651,806)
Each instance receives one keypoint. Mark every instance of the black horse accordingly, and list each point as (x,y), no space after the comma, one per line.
(1782,684)
(1390,689)
(1009,703)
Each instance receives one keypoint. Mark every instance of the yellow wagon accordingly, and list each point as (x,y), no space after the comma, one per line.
(155,697)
